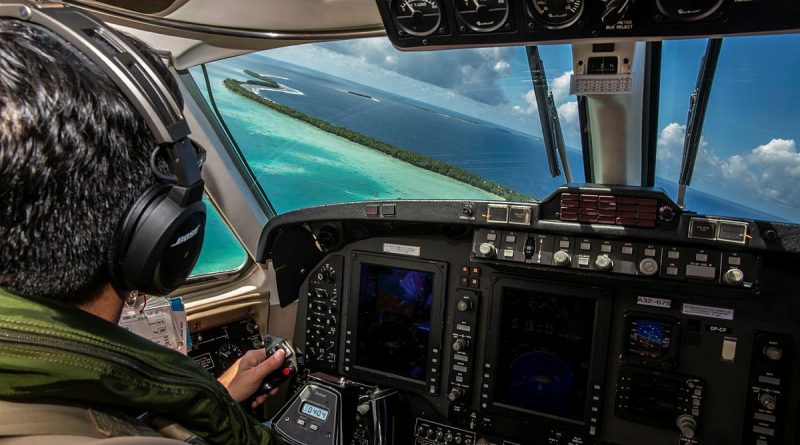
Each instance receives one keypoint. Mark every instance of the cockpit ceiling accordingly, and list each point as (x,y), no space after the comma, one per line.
(256,15)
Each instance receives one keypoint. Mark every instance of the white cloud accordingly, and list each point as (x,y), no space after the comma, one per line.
(529,107)
(473,73)
(670,143)
(502,67)
(769,171)
(566,105)
(560,87)
(568,115)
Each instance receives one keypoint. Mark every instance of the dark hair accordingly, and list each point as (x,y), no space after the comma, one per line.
(74,154)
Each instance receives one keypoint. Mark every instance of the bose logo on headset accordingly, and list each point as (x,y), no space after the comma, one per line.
(140,255)
(186,237)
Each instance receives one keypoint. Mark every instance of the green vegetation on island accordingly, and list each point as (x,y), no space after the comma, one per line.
(263,81)
(402,154)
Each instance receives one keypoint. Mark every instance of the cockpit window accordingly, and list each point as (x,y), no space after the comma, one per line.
(221,251)
(359,120)
(748,163)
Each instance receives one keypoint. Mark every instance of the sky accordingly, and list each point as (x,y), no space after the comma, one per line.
(749,149)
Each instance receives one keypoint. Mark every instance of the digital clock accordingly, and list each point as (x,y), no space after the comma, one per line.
(314,411)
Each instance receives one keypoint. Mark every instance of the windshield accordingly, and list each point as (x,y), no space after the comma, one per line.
(748,163)
(358,120)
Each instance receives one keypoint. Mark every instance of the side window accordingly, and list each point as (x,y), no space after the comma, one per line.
(221,250)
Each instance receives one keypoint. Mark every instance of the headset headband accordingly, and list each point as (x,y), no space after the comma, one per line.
(129,71)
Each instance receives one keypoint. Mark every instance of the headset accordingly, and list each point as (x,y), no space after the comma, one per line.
(159,240)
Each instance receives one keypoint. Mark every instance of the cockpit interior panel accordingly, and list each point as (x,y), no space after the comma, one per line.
(518,324)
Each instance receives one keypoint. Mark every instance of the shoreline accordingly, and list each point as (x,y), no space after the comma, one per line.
(401,154)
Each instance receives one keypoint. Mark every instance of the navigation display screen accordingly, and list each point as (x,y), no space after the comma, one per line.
(650,338)
(545,352)
(650,341)
(394,320)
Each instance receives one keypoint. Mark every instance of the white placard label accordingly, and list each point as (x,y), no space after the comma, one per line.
(708,311)
(401,249)
(664,303)
(596,84)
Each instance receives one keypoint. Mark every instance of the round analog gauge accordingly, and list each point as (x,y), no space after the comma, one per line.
(483,15)
(688,10)
(418,17)
(557,13)
(228,354)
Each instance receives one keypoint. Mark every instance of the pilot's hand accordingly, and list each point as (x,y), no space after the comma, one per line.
(244,377)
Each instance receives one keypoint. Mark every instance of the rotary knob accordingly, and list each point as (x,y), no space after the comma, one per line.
(460,344)
(603,262)
(648,267)
(455,394)
(768,401)
(773,352)
(561,258)
(487,250)
(464,305)
(688,426)
(326,273)
(734,277)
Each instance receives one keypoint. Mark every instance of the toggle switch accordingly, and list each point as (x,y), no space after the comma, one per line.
(729,349)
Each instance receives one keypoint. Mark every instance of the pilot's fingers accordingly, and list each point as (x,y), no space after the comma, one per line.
(253,357)
(271,364)
(259,401)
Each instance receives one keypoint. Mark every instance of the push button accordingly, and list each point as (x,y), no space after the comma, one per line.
(702,229)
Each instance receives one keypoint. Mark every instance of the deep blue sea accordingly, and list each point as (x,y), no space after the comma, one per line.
(495,152)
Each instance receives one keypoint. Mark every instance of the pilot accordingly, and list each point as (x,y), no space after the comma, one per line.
(73,155)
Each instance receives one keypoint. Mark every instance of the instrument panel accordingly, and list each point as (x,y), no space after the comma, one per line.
(507,346)
(428,24)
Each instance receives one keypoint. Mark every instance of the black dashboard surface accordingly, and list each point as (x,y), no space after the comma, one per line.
(504,323)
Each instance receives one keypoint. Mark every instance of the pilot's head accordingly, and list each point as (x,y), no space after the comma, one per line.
(74,154)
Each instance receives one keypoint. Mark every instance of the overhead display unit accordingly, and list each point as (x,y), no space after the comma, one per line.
(434,24)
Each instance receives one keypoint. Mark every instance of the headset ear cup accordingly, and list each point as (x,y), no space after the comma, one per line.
(164,245)
(121,238)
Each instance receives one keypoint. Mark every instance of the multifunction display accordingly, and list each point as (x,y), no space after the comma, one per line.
(544,352)
(394,321)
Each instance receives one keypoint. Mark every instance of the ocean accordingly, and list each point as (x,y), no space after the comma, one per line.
(300,166)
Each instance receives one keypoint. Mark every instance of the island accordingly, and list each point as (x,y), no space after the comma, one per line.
(408,156)
(261,80)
